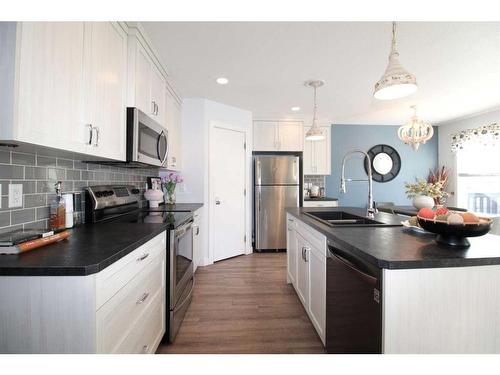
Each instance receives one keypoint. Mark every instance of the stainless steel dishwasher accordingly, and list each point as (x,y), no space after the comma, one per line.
(353,304)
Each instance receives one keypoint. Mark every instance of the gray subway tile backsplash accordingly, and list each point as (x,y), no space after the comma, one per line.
(38,174)
(23,159)
(11,172)
(22,216)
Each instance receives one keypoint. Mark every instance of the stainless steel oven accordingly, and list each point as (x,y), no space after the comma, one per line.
(181,275)
(147,141)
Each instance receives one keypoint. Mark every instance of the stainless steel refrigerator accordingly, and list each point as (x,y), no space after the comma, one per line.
(276,186)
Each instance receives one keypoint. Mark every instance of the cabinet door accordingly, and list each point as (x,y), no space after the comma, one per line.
(265,136)
(51,86)
(290,136)
(291,251)
(105,88)
(196,239)
(317,290)
(309,155)
(143,78)
(158,95)
(317,154)
(174,131)
(302,271)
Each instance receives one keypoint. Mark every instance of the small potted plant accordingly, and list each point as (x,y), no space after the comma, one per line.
(168,184)
(424,194)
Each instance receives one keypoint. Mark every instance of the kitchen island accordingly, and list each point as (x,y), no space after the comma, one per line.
(424,298)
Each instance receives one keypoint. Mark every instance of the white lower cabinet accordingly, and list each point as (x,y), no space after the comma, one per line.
(197,239)
(306,254)
(118,310)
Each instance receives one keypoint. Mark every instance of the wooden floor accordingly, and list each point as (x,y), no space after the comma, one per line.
(244,305)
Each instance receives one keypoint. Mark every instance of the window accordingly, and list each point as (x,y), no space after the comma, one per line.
(478,184)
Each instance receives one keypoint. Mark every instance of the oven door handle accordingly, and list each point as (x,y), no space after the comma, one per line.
(184,228)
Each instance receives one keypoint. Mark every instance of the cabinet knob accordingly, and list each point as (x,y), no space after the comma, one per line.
(143,298)
(145,348)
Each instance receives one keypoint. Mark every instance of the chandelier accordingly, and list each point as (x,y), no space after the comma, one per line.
(416,131)
(315,133)
(396,82)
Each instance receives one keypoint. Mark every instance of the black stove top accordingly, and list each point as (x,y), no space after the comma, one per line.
(175,219)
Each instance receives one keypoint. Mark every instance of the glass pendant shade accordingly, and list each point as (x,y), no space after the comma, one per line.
(396,82)
(314,133)
(415,132)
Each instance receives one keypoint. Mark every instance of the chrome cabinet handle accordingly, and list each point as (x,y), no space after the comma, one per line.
(143,298)
(91,133)
(197,232)
(217,202)
(153,106)
(145,348)
(96,143)
(144,256)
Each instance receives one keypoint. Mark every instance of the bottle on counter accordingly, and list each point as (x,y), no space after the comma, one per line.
(57,219)
(68,205)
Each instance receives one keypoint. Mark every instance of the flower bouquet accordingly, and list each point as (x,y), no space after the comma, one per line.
(168,184)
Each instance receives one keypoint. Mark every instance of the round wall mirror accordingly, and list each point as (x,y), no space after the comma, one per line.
(386,163)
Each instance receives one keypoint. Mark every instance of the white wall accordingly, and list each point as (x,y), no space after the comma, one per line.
(446,157)
(197,114)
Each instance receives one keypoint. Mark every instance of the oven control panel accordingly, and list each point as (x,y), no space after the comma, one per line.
(106,196)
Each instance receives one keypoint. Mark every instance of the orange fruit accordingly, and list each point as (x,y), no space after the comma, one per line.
(469,217)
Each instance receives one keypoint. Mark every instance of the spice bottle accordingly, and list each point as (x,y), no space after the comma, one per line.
(57,210)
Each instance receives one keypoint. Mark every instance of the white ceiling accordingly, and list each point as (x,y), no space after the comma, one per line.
(457,66)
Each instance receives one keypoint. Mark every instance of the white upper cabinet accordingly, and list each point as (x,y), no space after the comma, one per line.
(50,85)
(317,154)
(277,136)
(148,89)
(71,86)
(105,78)
(173,114)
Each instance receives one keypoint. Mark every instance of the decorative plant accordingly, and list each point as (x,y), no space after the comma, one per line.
(422,187)
(168,183)
(439,175)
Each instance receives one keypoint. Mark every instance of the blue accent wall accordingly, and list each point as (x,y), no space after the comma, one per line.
(413,163)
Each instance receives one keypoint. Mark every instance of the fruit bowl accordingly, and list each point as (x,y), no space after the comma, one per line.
(455,234)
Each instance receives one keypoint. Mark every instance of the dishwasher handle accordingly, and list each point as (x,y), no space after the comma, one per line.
(349,264)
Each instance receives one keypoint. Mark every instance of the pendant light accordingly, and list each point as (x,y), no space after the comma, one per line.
(396,82)
(315,133)
(416,131)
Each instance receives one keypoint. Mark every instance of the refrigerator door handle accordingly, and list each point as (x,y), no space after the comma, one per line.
(258,172)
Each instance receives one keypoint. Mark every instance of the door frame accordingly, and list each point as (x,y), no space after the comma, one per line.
(211,204)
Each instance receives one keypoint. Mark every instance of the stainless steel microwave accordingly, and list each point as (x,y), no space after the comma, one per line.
(147,140)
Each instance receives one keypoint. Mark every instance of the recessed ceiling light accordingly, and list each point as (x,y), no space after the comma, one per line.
(222,81)
(295,109)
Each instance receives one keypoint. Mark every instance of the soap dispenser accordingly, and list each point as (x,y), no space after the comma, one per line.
(58,210)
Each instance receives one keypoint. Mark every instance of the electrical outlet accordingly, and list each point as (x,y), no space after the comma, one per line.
(15,195)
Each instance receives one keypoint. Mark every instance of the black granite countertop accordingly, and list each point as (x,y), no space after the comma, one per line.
(89,249)
(178,207)
(397,248)
(320,199)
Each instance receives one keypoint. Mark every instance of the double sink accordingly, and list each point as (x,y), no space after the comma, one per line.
(346,219)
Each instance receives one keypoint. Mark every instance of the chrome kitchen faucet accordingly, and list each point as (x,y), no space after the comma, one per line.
(370,210)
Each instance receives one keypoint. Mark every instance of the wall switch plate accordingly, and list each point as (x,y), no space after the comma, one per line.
(15,195)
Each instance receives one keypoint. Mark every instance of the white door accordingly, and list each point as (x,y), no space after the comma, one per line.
(290,136)
(51,85)
(265,136)
(227,192)
(105,78)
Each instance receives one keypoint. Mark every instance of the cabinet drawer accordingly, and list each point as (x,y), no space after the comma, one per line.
(119,315)
(112,279)
(320,204)
(316,239)
(147,333)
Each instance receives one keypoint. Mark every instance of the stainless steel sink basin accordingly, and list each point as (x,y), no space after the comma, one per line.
(342,218)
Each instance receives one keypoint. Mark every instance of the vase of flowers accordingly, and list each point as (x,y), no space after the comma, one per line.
(425,194)
(439,175)
(168,185)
